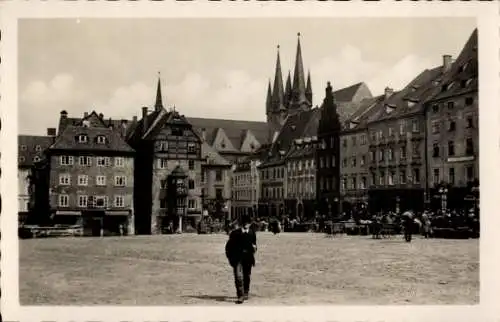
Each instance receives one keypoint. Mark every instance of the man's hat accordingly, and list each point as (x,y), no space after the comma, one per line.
(245,220)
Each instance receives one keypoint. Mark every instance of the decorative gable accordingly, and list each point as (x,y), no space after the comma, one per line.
(250,143)
(221,141)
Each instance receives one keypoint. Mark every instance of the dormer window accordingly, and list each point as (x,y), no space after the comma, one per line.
(101,139)
(38,148)
(252,146)
(36,158)
(389,108)
(23,147)
(411,104)
(293,127)
(86,123)
(82,138)
(223,144)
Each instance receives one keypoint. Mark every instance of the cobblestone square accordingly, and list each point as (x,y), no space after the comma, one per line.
(292,268)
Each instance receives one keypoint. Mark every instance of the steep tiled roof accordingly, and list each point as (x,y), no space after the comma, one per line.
(410,99)
(234,129)
(347,94)
(365,109)
(463,74)
(67,140)
(31,147)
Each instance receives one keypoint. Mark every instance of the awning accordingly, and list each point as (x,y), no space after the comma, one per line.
(68,213)
(117,213)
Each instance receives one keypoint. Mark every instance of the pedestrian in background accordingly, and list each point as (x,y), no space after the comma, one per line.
(240,251)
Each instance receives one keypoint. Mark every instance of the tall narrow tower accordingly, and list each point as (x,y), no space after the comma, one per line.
(158,102)
(299,99)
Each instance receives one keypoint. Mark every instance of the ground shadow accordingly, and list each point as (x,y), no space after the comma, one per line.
(217,298)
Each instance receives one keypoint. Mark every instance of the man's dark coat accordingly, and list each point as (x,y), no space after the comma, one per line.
(240,247)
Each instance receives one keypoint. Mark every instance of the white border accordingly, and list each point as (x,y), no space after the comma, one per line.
(487,16)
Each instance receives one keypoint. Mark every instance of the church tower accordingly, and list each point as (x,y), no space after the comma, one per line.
(301,94)
(275,110)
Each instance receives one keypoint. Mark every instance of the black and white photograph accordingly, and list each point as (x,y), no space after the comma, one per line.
(245,162)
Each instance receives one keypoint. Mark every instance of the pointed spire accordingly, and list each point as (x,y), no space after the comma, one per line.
(269,98)
(288,90)
(299,84)
(309,92)
(278,95)
(158,103)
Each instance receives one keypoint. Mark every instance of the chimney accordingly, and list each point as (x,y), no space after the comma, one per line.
(144,119)
(203,134)
(51,131)
(134,119)
(447,61)
(101,116)
(86,114)
(388,92)
(64,114)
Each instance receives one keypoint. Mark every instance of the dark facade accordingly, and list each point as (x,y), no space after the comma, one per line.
(165,140)
(328,158)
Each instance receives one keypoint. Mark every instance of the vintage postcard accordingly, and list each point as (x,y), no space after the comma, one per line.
(264,161)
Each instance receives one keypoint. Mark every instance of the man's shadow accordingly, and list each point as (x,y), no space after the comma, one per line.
(217,298)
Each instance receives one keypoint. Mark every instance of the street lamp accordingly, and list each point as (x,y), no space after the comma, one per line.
(397,204)
(443,191)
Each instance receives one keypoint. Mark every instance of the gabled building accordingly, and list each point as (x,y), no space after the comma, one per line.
(246,187)
(87,177)
(165,141)
(452,117)
(355,157)
(30,151)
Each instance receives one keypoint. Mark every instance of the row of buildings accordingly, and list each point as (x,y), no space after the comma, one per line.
(398,149)
(406,149)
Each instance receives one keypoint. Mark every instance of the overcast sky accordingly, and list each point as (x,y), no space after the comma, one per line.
(216,68)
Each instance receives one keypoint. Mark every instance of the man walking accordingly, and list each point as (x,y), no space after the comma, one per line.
(240,250)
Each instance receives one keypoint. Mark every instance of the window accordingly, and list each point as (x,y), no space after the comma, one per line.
(82,201)
(416,175)
(402,127)
(23,147)
(451,105)
(435,127)
(22,159)
(63,200)
(374,178)
(344,142)
(82,138)
(362,184)
(381,155)
(64,179)
(100,180)
(451,148)
(191,147)
(391,132)
(402,153)
(192,204)
(36,158)
(373,136)
(470,122)
(344,184)
(416,150)
(103,161)
(101,139)
(177,131)
(191,164)
(436,176)
(363,160)
(120,181)
(84,161)
(322,163)
(390,154)
(451,126)
(161,145)
(66,160)
(451,175)
(38,148)
(353,183)
(435,150)
(162,163)
(203,175)
(353,161)
(435,108)
(83,180)
(218,175)
(363,139)
(469,100)
(344,162)
(414,126)
(381,179)
(469,146)
(391,178)
(119,201)
(402,177)
(469,172)
(119,162)
(372,156)
(218,194)
(353,141)
(100,201)
(191,184)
